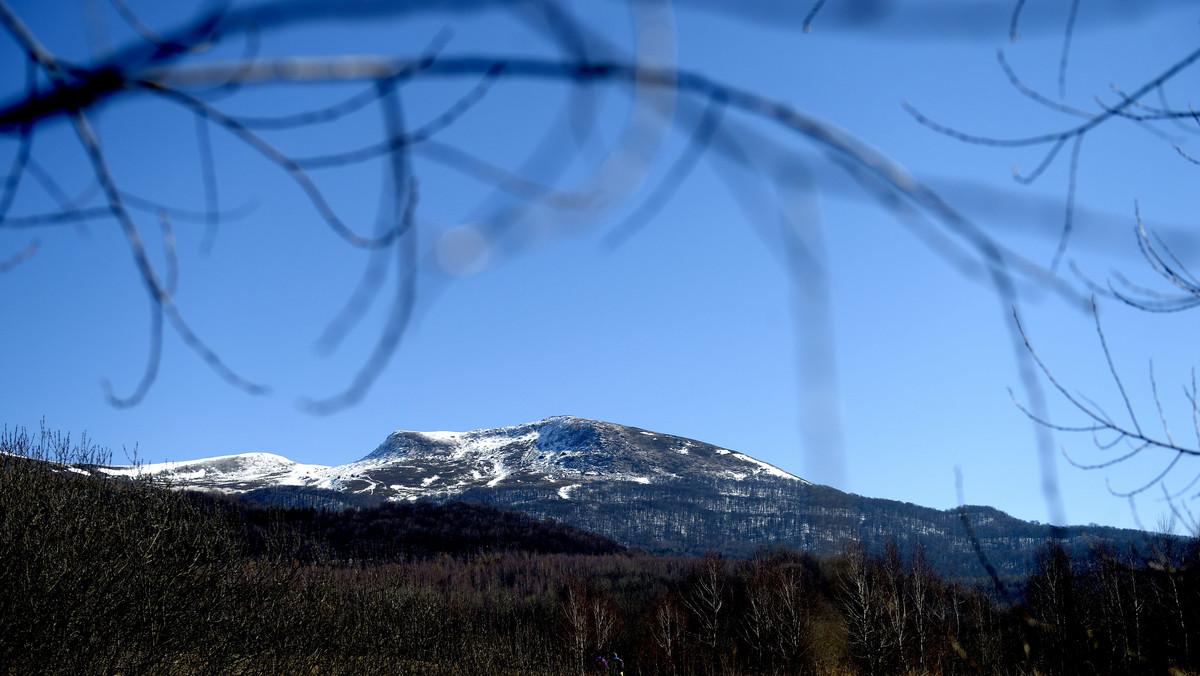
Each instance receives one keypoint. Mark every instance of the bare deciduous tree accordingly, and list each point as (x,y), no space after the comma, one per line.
(1147,107)
(864,607)
(668,626)
(706,600)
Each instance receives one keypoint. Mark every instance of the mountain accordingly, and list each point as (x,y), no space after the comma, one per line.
(658,492)
(562,453)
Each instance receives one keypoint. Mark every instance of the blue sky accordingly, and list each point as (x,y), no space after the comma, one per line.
(690,327)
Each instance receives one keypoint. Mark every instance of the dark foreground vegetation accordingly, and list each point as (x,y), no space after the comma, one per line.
(118,577)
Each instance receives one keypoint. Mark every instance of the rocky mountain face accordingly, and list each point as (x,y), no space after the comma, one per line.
(561,454)
(655,491)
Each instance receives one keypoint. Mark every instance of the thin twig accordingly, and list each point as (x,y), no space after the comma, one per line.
(13,179)
(209,174)
(812,14)
(149,374)
(1068,33)
(135,22)
(404,199)
(701,137)
(284,161)
(1112,368)
(1033,94)
(503,179)
(20,257)
(1071,132)
(1016,17)
(1069,217)
(158,294)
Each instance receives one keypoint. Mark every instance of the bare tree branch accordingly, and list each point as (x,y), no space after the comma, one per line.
(159,66)
(676,175)
(158,295)
(1068,33)
(404,192)
(209,173)
(20,257)
(1016,18)
(812,14)
(1130,432)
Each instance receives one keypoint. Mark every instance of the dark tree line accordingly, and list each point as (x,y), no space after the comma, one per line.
(393,532)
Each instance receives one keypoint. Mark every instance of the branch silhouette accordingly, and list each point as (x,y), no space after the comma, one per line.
(166,65)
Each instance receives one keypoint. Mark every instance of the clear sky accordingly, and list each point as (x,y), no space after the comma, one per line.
(699,324)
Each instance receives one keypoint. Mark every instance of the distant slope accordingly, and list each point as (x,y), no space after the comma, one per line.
(644,489)
(701,514)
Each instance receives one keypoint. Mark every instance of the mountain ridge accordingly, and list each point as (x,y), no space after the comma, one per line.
(412,465)
(654,491)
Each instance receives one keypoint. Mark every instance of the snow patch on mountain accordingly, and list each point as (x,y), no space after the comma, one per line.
(561,453)
(228,471)
(499,471)
(769,469)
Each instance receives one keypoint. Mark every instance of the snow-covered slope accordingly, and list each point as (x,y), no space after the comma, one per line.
(657,492)
(232,473)
(562,453)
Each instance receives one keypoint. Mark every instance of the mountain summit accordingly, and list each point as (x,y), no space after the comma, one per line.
(562,453)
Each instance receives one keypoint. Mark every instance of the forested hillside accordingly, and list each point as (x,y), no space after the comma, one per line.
(109,576)
(692,515)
